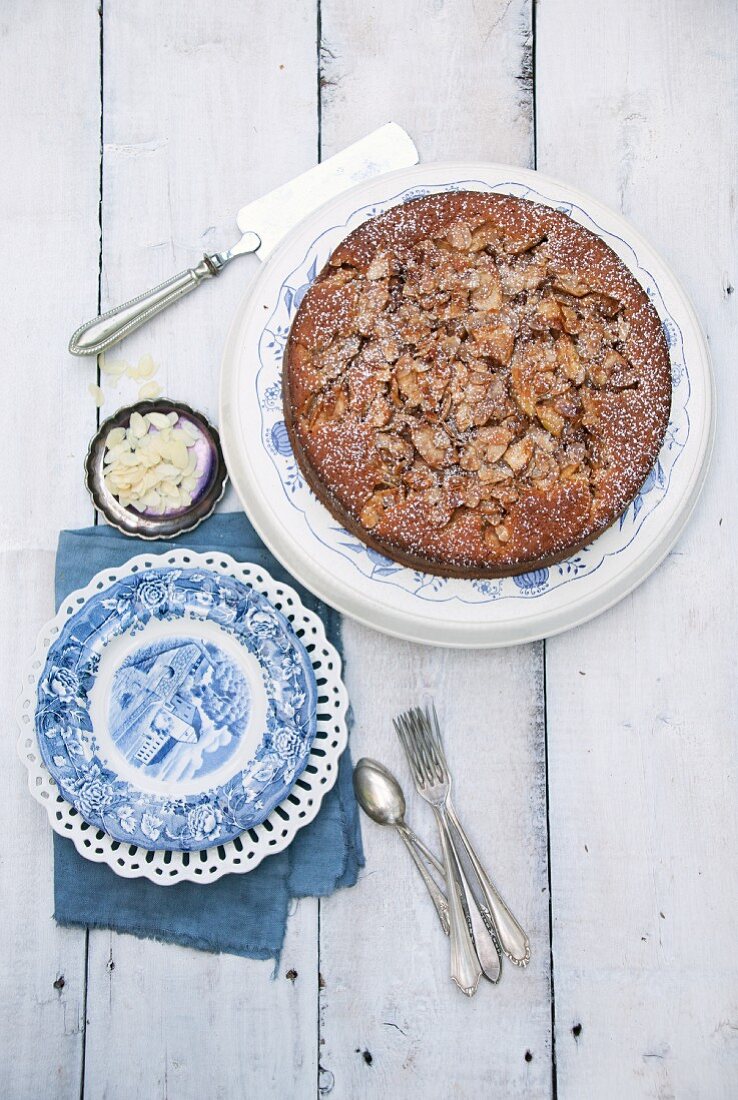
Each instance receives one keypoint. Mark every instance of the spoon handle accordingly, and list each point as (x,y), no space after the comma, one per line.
(424,850)
(490,956)
(437,896)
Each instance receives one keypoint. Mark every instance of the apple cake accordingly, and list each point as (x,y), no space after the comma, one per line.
(475,385)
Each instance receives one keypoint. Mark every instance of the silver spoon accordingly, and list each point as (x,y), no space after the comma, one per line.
(380,797)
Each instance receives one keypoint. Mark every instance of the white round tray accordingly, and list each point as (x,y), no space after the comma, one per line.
(246,851)
(379,592)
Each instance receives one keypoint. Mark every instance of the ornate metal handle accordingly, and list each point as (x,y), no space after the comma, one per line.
(437,896)
(490,956)
(465,966)
(480,926)
(513,939)
(424,850)
(106,330)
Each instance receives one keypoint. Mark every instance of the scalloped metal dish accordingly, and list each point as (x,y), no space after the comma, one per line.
(381,593)
(173,524)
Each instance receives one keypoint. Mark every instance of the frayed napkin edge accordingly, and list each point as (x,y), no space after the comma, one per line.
(180,940)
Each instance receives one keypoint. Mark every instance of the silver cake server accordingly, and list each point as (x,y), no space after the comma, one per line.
(263,224)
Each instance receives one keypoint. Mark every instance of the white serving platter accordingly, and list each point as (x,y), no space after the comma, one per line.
(381,593)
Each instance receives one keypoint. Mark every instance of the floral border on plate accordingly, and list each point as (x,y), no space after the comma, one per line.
(376,566)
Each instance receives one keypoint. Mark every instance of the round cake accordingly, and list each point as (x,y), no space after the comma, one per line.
(475,385)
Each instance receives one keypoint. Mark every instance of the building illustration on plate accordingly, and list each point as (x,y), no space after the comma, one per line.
(152,709)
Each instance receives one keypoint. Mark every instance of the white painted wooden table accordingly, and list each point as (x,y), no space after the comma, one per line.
(598,771)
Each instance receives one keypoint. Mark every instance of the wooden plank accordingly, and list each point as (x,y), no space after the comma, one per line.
(392,1022)
(457,77)
(50,232)
(206,107)
(638,105)
(165,1021)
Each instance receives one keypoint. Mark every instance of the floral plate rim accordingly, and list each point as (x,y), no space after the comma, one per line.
(70,743)
(541,610)
(245,851)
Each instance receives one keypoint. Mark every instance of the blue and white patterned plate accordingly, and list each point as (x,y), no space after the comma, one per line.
(176,708)
(357,580)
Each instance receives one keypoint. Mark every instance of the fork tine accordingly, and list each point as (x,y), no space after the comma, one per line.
(402,728)
(430,757)
(421,744)
(418,748)
(400,721)
(432,715)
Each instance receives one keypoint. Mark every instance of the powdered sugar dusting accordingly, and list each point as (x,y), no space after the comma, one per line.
(476,384)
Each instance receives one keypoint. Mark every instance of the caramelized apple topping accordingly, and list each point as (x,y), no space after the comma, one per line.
(476,364)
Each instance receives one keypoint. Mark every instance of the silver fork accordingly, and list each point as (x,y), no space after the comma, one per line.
(473,950)
(511,937)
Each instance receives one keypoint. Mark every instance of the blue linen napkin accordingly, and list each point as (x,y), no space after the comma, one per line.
(238,914)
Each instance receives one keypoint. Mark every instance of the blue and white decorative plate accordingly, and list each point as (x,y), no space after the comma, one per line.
(175,706)
(357,580)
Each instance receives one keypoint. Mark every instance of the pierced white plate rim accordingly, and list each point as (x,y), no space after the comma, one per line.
(276,832)
(309,557)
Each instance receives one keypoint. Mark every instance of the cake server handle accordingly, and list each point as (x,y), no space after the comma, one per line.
(103,332)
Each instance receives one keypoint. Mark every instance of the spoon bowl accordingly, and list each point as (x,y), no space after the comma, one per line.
(380,797)
(378,792)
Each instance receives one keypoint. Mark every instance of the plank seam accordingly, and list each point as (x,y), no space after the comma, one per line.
(319,153)
(83,1059)
(319,74)
(534,9)
(83,1062)
(98,372)
(554,1081)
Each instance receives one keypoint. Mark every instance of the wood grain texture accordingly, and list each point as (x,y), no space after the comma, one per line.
(642,701)
(391,1020)
(457,74)
(49,227)
(205,108)
(165,1021)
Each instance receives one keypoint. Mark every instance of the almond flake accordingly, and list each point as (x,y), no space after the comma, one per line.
(113,368)
(192,429)
(115,436)
(150,465)
(146,368)
(149,391)
(179,455)
(139,425)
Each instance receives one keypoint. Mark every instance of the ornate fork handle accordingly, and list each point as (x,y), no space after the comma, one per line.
(480,925)
(465,966)
(512,938)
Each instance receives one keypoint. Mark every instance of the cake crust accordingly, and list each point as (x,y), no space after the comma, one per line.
(475,385)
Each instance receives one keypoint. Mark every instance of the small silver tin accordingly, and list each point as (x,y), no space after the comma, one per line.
(172,524)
